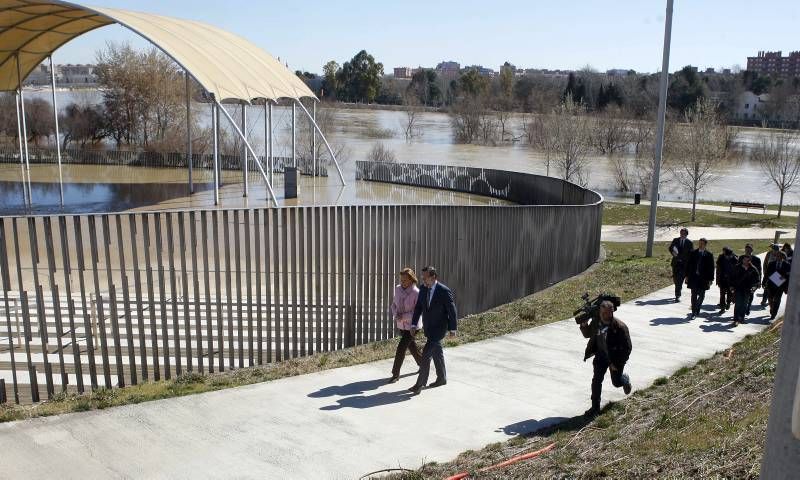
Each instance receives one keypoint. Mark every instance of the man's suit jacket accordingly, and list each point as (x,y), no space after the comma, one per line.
(680,261)
(784,270)
(700,269)
(440,315)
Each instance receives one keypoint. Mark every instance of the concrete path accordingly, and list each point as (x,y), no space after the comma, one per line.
(343,423)
(705,206)
(638,233)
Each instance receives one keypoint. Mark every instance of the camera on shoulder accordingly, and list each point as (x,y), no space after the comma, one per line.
(591,306)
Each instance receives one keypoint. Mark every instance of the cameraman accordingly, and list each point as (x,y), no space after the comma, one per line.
(610,344)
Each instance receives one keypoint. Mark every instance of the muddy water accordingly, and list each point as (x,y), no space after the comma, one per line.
(357,131)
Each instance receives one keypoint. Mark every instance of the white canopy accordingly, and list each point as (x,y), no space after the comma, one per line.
(224,64)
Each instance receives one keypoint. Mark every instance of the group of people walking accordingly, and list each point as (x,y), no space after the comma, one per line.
(738,277)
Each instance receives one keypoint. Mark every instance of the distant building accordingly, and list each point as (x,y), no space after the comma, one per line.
(749,107)
(39,76)
(618,72)
(77,75)
(710,71)
(448,69)
(483,71)
(774,63)
(402,72)
(543,72)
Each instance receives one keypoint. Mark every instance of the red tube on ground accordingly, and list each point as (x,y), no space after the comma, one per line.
(510,461)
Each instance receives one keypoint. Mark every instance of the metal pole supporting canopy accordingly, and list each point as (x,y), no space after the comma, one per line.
(328,145)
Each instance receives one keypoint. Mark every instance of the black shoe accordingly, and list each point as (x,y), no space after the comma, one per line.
(415,389)
(592,412)
(394,379)
(692,316)
(677,299)
(438,383)
(627,388)
(772,317)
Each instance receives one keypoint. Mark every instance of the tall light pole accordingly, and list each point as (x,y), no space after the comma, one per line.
(662,109)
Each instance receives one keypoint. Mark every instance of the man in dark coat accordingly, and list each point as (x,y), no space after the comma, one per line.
(771,255)
(437,304)
(777,282)
(610,344)
(726,266)
(755,260)
(744,282)
(699,275)
(680,248)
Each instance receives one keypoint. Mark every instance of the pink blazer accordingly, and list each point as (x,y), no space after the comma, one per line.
(403,306)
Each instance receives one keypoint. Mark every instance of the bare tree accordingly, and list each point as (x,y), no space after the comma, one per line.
(542,134)
(380,153)
(611,131)
(465,120)
(572,133)
(413,112)
(777,155)
(502,119)
(699,147)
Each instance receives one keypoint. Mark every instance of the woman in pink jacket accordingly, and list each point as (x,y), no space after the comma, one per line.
(405,299)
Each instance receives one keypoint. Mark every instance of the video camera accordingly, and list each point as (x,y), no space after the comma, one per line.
(591,307)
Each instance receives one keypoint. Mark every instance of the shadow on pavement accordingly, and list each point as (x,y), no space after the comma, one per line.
(369,401)
(662,301)
(669,320)
(530,426)
(354,388)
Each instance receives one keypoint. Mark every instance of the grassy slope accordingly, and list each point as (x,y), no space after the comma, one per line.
(625,271)
(625,214)
(708,421)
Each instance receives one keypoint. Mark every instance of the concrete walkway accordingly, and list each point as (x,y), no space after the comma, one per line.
(638,233)
(705,206)
(343,423)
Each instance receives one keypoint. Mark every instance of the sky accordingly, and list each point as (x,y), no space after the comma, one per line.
(528,33)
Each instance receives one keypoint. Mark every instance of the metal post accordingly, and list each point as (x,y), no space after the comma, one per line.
(250,149)
(294,136)
(244,150)
(314,140)
(55,118)
(328,145)
(662,108)
(25,192)
(215,133)
(269,128)
(22,110)
(189,129)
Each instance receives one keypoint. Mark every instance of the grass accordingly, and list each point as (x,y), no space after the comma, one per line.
(626,214)
(707,421)
(624,271)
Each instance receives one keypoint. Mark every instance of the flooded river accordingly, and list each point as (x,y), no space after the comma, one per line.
(358,131)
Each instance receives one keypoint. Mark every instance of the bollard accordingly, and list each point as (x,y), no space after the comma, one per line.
(637,198)
(290,182)
(3,398)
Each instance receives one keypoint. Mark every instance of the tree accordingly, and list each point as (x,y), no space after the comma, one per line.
(611,131)
(360,78)
(330,84)
(777,155)
(82,124)
(425,87)
(686,90)
(39,119)
(473,84)
(379,153)
(571,144)
(506,80)
(413,112)
(699,147)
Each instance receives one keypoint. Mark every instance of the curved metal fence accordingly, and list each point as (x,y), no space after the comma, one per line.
(108,300)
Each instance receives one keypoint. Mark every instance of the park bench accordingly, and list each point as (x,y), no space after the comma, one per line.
(747,206)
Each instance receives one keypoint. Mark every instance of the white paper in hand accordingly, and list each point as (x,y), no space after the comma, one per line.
(777,279)
(675,250)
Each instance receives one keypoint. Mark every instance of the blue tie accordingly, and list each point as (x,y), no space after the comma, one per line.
(430,295)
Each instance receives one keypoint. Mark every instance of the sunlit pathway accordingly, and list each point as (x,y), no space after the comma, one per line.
(346,422)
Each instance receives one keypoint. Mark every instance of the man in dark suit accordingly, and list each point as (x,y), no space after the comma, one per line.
(699,275)
(776,279)
(755,261)
(680,248)
(610,344)
(437,305)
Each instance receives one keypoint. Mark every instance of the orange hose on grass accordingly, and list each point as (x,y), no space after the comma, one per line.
(510,461)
